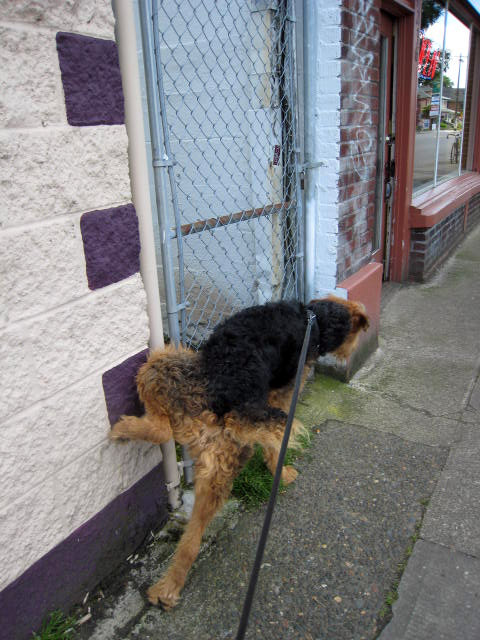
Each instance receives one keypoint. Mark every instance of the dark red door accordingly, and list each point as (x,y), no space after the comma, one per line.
(385,176)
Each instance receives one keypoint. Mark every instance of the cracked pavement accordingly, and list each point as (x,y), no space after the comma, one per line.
(394,461)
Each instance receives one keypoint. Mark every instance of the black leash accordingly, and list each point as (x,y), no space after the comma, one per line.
(242,627)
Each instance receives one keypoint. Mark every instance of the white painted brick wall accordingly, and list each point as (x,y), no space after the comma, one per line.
(56,336)
(327,144)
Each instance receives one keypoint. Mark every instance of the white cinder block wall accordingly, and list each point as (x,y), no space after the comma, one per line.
(57,336)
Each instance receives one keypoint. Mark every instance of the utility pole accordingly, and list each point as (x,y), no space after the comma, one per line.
(460,60)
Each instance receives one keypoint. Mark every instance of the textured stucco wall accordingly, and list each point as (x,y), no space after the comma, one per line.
(58,335)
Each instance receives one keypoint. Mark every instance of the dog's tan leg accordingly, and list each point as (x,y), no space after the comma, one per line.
(281,399)
(289,473)
(210,493)
(154,429)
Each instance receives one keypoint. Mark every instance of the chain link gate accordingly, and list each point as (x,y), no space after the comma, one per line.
(221,90)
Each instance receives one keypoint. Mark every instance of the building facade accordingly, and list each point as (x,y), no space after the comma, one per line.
(304,148)
(401,194)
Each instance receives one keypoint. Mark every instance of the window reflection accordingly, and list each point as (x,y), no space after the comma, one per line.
(441,86)
(457,42)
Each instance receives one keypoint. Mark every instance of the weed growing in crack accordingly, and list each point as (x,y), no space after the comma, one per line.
(385,614)
(57,627)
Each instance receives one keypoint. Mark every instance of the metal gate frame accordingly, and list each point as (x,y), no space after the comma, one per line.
(171,238)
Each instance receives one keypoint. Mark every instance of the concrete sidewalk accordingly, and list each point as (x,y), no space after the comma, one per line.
(387,502)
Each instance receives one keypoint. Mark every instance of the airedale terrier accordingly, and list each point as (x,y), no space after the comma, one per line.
(228,396)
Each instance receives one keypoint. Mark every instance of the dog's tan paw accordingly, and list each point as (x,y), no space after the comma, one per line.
(165,593)
(289,474)
(119,432)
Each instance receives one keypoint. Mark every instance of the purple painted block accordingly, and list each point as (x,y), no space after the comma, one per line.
(60,579)
(91,80)
(111,243)
(120,388)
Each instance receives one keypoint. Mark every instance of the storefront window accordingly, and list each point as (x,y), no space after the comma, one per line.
(441,89)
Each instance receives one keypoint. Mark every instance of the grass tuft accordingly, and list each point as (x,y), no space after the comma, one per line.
(57,627)
(254,483)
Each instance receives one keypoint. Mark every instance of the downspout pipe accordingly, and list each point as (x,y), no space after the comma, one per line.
(163,178)
(310,33)
(127,32)
(160,163)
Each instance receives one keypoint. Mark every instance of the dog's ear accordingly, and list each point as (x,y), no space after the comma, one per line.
(358,314)
(360,319)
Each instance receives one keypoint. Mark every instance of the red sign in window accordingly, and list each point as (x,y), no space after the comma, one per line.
(427,60)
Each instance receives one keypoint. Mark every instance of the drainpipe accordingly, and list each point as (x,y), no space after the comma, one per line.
(127,26)
(310,31)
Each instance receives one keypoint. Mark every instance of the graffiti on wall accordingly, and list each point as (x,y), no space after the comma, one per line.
(363,45)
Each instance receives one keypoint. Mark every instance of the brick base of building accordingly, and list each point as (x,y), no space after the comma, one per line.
(473,217)
(430,247)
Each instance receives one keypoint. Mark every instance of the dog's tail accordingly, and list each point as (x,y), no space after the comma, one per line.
(171,380)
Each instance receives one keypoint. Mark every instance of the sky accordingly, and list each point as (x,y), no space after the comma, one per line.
(457,42)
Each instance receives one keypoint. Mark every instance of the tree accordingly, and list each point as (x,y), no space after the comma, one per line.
(447,82)
(431,11)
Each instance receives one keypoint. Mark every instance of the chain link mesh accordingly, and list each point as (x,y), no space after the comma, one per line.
(228,76)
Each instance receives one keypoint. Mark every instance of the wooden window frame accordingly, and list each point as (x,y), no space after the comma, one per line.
(432,206)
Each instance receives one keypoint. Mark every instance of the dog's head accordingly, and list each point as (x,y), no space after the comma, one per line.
(339,323)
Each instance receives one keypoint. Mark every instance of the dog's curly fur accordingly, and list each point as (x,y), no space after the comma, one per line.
(230,395)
